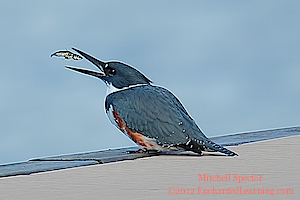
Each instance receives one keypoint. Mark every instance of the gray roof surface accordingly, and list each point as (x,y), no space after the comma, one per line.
(114,155)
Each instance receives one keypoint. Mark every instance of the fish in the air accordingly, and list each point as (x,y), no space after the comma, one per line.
(67,55)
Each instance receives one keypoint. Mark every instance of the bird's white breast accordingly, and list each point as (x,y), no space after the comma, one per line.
(110,116)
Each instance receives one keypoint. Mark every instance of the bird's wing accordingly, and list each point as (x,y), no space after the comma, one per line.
(154,112)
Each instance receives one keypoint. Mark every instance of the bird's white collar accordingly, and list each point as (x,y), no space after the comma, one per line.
(112,89)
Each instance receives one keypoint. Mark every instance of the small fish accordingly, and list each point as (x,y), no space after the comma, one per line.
(67,55)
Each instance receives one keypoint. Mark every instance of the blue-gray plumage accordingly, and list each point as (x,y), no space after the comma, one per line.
(150,115)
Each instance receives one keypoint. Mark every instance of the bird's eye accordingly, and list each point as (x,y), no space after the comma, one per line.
(110,71)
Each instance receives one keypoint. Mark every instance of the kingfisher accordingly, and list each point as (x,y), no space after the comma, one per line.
(149,115)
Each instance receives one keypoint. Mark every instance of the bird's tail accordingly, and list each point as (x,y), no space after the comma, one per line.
(198,145)
(211,146)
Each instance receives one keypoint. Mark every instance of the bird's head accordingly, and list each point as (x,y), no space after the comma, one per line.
(115,74)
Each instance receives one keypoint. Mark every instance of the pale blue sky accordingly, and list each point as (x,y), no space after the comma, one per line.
(234,65)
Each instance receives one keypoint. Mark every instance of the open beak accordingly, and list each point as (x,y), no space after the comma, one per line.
(99,64)
(88,72)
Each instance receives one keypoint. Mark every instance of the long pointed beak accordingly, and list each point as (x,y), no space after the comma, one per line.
(88,72)
(93,60)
